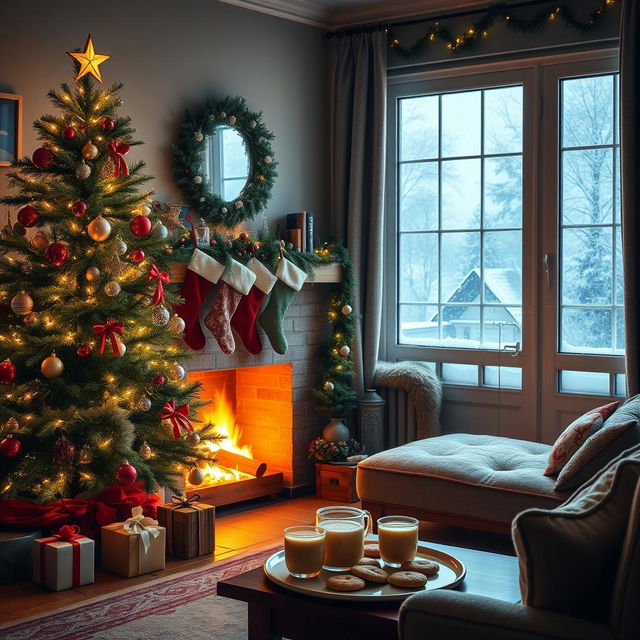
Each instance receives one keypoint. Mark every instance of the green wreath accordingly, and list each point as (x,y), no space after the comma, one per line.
(188,162)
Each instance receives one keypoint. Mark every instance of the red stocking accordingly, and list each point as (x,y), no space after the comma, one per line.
(203,272)
(244,320)
(237,280)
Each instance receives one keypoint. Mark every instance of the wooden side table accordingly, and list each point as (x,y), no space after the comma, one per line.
(336,482)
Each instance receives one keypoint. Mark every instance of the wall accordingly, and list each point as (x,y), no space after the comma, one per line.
(171,55)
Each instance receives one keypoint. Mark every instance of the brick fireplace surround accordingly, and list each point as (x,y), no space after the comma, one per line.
(282,447)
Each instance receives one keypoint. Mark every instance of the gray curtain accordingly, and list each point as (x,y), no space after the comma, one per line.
(358,164)
(630,148)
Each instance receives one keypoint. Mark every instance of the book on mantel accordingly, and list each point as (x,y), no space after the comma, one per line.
(300,230)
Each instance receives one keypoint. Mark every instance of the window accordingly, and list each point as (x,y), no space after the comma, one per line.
(459,202)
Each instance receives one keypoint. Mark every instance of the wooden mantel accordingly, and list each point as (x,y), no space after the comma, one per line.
(326,273)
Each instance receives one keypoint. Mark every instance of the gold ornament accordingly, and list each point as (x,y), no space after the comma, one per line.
(83,170)
(143,404)
(92,274)
(192,438)
(21,304)
(176,324)
(145,210)
(196,477)
(85,455)
(11,426)
(328,386)
(89,61)
(99,229)
(40,241)
(145,451)
(112,289)
(90,151)
(177,373)
(52,367)
(30,318)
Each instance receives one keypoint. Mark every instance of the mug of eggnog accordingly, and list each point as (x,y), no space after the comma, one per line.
(397,539)
(304,551)
(345,529)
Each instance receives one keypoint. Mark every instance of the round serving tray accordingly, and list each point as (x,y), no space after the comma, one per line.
(451,574)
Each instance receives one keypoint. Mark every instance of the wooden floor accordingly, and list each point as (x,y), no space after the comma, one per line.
(238,531)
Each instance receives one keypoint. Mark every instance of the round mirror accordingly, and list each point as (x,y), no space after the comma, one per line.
(226,162)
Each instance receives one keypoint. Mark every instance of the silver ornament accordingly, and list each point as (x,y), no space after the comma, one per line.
(344,350)
(198,136)
(328,386)
(177,372)
(159,231)
(347,309)
(143,403)
(197,179)
(238,204)
(122,348)
(267,159)
(176,324)
(192,438)
(121,247)
(112,289)
(232,121)
(83,170)
(160,316)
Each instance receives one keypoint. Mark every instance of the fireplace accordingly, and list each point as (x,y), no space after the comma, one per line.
(253,408)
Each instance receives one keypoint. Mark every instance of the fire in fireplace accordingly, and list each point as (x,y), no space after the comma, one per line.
(253,408)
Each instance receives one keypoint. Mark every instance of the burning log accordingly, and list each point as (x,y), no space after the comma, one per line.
(241,463)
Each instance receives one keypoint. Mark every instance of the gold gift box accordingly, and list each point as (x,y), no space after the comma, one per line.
(123,551)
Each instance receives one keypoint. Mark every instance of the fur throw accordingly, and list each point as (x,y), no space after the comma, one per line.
(424,389)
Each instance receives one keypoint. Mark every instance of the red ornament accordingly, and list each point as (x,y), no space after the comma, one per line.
(63,450)
(79,208)
(68,133)
(126,474)
(107,124)
(83,350)
(137,256)
(243,236)
(158,380)
(140,226)
(82,128)
(56,254)
(7,372)
(28,216)
(42,157)
(10,447)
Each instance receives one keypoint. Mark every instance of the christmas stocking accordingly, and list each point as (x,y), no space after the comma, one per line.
(202,273)
(290,281)
(246,315)
(237,281)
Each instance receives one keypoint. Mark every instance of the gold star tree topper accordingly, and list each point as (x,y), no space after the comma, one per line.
(89,61)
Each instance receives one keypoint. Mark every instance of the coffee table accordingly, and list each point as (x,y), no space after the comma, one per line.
(275,612)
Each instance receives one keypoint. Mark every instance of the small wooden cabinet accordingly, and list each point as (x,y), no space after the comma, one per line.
(336,482)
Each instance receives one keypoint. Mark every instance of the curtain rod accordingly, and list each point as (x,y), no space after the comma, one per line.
(379,26)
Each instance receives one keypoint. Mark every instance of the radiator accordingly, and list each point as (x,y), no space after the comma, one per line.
(400,417)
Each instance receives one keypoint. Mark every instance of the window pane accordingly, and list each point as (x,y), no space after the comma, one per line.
(621,384)
(460,267)
(618,267)
(586,266)
(589,382)
(461,326)
(419,267)
(418,128)
(461,194)
(618,347)
(232,188)
(418,324)
(461,124)
(587,186)
(587,111)
(503,377)
(503,267)
(234,151)
(503,120)
(503,192)
(501,326)
(586,330)
(466,374)
(418,196)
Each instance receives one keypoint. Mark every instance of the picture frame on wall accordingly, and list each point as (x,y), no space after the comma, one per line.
(10,128)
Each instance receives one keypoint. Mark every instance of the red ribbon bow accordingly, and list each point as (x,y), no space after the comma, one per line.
(179,417)
(163,278)
(68,532)
(109,329)
(117,151)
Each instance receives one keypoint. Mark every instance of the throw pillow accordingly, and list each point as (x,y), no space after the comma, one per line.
(619,432)
(575,434)
(569,555)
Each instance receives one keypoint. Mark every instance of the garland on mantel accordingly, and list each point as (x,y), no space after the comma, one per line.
(498,11)
(334,394)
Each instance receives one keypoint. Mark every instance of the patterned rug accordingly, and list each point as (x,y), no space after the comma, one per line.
(183,607)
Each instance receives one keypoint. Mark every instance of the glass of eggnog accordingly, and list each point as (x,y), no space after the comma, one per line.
(345,529)
(397,539)
(304,551)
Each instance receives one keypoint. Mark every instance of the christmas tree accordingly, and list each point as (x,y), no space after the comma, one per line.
(93,388)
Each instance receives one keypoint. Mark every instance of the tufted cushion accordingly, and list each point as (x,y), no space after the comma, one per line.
(475,476)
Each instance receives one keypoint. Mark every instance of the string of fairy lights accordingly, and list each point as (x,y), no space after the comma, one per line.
(494,15)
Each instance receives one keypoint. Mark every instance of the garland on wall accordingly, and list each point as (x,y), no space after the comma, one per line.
(334,395)
(503,12)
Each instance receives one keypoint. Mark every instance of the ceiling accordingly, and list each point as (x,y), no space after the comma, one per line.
(332,14)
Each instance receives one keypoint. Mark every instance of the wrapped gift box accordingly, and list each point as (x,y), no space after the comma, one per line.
(190,527)
(16,552)
(65,560)
(133,547)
